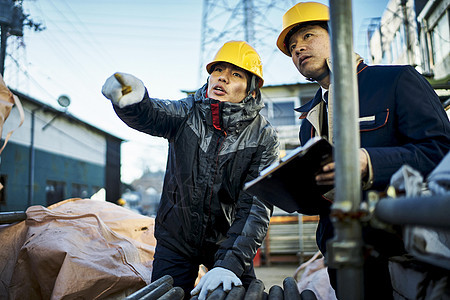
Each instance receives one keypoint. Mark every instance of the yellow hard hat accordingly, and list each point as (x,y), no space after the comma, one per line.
(240,54)
(301,13)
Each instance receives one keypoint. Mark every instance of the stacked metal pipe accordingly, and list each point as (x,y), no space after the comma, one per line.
(255,291)
(161,289)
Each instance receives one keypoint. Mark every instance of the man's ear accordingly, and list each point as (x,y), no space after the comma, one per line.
(254,94)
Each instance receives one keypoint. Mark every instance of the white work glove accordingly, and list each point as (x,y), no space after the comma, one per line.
(130,91)
(212,279)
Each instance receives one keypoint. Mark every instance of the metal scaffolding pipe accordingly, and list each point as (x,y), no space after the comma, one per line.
(345,253)
(346,108)
(415,211)
(11,217)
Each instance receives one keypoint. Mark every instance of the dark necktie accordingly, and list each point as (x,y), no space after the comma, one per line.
(325,116)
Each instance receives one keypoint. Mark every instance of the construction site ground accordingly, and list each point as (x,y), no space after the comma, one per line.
(275,273)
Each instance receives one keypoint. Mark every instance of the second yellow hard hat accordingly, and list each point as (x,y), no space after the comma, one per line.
(301,13)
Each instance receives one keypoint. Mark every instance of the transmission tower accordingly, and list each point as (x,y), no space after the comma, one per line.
(12,22)
(256,22)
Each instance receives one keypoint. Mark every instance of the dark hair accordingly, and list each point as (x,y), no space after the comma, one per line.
(249,81)
(250,77)
(323,24)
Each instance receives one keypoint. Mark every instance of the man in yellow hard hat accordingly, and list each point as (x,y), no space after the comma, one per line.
(401,122)
(217,141)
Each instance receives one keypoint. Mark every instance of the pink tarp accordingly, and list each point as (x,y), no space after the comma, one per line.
(314,276)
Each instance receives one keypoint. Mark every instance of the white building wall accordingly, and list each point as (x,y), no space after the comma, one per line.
(435,37)
(390,47)
(62,136)
(376,52)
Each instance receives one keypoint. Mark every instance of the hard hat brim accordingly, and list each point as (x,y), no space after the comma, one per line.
(282,37)
(209,66)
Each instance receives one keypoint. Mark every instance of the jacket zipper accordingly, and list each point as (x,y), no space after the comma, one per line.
(214,177)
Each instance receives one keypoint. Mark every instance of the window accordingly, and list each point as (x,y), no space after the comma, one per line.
(283,113)
(280,113)
(79,190)
(439,39)
(54,191)
(265,111)
(398,45)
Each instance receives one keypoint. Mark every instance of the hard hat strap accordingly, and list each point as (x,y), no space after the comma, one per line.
(320,77)
(253,83)
(253,86)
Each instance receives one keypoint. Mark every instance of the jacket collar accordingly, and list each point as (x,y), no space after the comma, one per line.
(309,105)
(318,97)
(231,116)
(360,67)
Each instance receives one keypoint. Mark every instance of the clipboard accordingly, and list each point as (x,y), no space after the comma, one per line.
(290,182)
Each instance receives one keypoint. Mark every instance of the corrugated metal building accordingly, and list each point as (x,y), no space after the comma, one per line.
(55,156)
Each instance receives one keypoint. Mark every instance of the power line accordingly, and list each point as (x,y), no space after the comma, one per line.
(240,19)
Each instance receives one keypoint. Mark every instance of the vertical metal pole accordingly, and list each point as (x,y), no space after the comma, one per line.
(31,162)
(346,248)
(409,53)
(3,49)
(425,46)
(300,235)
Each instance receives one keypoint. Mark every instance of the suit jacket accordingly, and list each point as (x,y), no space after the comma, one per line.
(401,122)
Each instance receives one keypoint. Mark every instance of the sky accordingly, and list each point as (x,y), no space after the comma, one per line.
(86,41)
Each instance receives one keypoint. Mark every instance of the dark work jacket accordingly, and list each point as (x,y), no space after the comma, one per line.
(409,126)
(214,148)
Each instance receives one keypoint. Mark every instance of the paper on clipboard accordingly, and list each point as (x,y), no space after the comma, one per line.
(289,183)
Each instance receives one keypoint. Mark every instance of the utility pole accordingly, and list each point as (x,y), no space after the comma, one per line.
(12,21)
(6,11)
